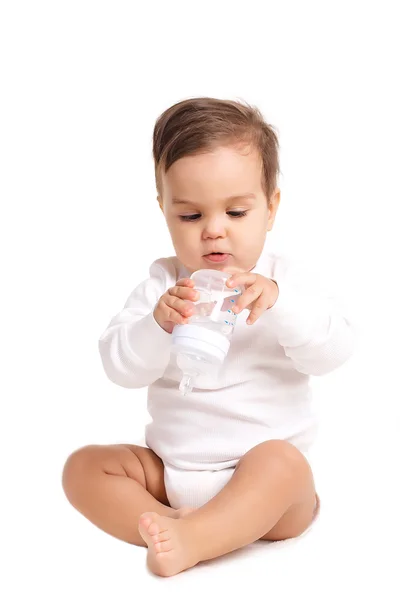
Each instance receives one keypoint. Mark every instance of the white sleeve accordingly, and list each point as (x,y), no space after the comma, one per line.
(134,349)
(309,322)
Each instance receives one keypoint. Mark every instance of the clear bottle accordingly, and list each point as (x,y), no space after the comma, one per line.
(202,345)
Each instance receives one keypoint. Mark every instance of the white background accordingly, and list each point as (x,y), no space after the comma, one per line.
(82,84)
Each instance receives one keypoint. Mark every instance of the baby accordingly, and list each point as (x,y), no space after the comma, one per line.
(227,464)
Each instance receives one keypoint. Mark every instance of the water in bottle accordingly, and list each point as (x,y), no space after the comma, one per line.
(202,345)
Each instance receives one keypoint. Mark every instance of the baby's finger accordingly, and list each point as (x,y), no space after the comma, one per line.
(183,307)
(259,306)
(249,296)
(185,282)
(170,314)
(241,279)
(186,293)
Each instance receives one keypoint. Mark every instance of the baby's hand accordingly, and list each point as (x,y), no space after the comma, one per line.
(174,307)
(260,295)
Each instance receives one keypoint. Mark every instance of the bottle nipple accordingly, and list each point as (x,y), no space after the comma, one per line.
(186,384)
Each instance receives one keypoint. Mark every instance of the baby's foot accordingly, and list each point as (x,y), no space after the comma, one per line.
(169,548)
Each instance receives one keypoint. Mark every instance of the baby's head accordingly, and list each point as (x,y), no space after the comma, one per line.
(216,168)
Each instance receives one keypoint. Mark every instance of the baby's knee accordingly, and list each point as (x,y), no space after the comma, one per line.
(281,455)
(75,469)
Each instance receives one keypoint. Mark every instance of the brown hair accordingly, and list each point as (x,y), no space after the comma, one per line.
(197,125)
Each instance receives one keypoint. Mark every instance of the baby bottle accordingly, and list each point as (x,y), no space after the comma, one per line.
(202,345)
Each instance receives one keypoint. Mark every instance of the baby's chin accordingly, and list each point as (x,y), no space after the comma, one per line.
(232,269)
(232,266)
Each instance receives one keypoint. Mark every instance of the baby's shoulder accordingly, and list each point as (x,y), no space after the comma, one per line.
(298,270)
(169,269)
(275,264)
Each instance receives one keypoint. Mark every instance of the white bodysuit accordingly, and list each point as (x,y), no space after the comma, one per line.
(262,391)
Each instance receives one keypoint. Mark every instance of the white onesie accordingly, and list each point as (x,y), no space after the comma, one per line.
(261,393)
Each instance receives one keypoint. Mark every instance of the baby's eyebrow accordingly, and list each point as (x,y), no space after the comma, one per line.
(229,199)
(178,201)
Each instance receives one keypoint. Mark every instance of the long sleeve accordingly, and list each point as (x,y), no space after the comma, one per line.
(134,349)
(310,323)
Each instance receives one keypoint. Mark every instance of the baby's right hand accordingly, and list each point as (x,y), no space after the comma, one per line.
(174,307)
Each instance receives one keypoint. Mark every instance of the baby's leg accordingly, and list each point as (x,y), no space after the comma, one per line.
(113,485)
(271,495)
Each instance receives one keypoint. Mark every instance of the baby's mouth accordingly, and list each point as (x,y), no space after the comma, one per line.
(216,256)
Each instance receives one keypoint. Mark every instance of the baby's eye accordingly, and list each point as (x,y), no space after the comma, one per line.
(238,213)
(189,217)
(232,213)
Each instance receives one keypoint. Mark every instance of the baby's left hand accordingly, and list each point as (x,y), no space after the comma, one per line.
(261,294)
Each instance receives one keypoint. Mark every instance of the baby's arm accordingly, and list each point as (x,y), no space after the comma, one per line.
(134,349)
(309,322)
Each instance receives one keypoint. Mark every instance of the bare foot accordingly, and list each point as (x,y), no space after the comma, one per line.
(170,550)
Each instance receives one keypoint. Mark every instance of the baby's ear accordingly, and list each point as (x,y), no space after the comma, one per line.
(273,206)
(160,203)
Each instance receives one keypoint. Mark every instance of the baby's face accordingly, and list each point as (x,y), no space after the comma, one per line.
(214,202)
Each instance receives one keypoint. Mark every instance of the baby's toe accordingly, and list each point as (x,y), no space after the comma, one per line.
(163,536)
(163,546)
